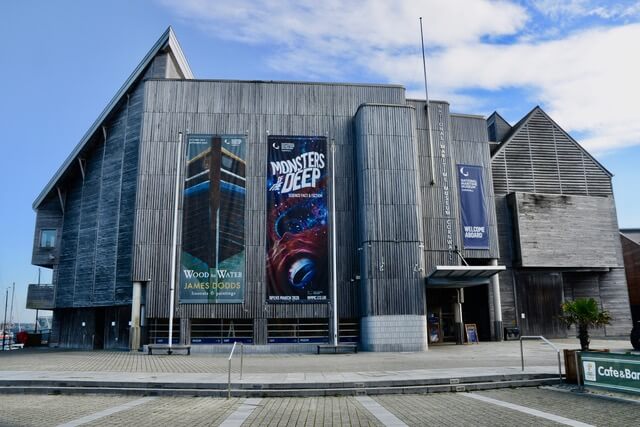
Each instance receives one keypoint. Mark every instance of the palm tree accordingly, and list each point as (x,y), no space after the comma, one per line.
(585,314)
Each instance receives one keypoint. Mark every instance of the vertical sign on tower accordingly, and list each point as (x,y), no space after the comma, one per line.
(213,253)
(473,209)
(297,218)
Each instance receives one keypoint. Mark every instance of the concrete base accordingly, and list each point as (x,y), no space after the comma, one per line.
(394,333)
(497,331)
(134,338)
(460,333)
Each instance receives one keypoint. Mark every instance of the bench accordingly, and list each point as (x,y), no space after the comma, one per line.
(165,347)
(338,348)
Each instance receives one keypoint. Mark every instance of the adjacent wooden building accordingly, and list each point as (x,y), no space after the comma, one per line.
(630,239)
(407,275)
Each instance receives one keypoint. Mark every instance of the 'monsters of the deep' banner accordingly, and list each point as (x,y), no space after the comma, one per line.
(212,260)
(474,211)
(297,217)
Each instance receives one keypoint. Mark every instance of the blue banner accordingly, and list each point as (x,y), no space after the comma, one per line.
(297,220)
(473,209)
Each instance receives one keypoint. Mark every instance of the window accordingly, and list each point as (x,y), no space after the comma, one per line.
(48,238)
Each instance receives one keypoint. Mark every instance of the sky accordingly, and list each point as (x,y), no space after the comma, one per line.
(63,61)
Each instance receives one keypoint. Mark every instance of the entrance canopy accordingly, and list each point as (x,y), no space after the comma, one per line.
(461,276)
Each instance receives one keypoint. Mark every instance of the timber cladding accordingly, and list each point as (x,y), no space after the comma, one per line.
(390,211)
(540,157)
(631,251)
(254,109)
(564,231)
(49,217)
(96,218)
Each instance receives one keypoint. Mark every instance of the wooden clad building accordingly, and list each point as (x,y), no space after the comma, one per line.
(630,239)
(558,227)
(406,274)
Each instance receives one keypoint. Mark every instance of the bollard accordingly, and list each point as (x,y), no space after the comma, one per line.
(229,382)
(229,374)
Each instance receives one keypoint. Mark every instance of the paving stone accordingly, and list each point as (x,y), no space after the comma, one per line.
(311,411)
(443,409)
(453,409)
(37,410)
(192,411)
(581,407)
(486,354)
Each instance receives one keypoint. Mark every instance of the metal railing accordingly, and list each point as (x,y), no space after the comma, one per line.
(546,341)
(241,363)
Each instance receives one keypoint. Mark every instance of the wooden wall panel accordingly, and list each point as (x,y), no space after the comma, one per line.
(565,231)
(96,241)
(558,228)
(49,216)
(614,296)
(541,157)
(445,140)
(470,146)
(440,204)
(254,109)
(539,298)
(392,278)
(631,251)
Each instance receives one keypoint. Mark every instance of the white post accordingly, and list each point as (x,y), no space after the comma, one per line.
(497,304)
(134,329)
(174,241)
(333,246)
(13,294)
(458,315)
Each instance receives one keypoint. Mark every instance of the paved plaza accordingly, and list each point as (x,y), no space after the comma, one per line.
(509,407)
(482,355)
(519,406)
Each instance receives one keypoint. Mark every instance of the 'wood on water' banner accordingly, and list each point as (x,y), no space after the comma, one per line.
(213,253)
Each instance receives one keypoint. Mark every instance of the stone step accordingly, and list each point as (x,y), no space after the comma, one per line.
(245,390)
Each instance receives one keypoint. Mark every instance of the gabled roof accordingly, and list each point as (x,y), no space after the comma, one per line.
(632,234)
(497,128)
(525,120)
(168,41)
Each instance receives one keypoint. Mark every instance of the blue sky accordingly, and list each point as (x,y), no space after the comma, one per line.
(63,61)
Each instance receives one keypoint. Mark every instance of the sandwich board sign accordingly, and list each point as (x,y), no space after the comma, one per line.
(471,331)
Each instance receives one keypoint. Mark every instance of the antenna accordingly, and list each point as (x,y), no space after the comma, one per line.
(426,94)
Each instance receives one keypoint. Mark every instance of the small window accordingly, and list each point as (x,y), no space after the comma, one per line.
(48,238)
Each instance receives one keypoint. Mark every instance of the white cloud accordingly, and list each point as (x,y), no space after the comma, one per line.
(372,23)
(587,81)
(563,9)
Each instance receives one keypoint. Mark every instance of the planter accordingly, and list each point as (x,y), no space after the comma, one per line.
(570,367)
(635,336)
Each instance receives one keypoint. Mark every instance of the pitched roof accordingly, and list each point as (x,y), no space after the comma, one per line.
(632,234)
(169,41)
(525,120)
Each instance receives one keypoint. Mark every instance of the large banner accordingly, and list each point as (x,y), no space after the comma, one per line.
(297,218)
(473,209)
(213,255)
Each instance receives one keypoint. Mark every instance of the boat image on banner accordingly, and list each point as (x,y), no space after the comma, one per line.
(213,253)
(297,219)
